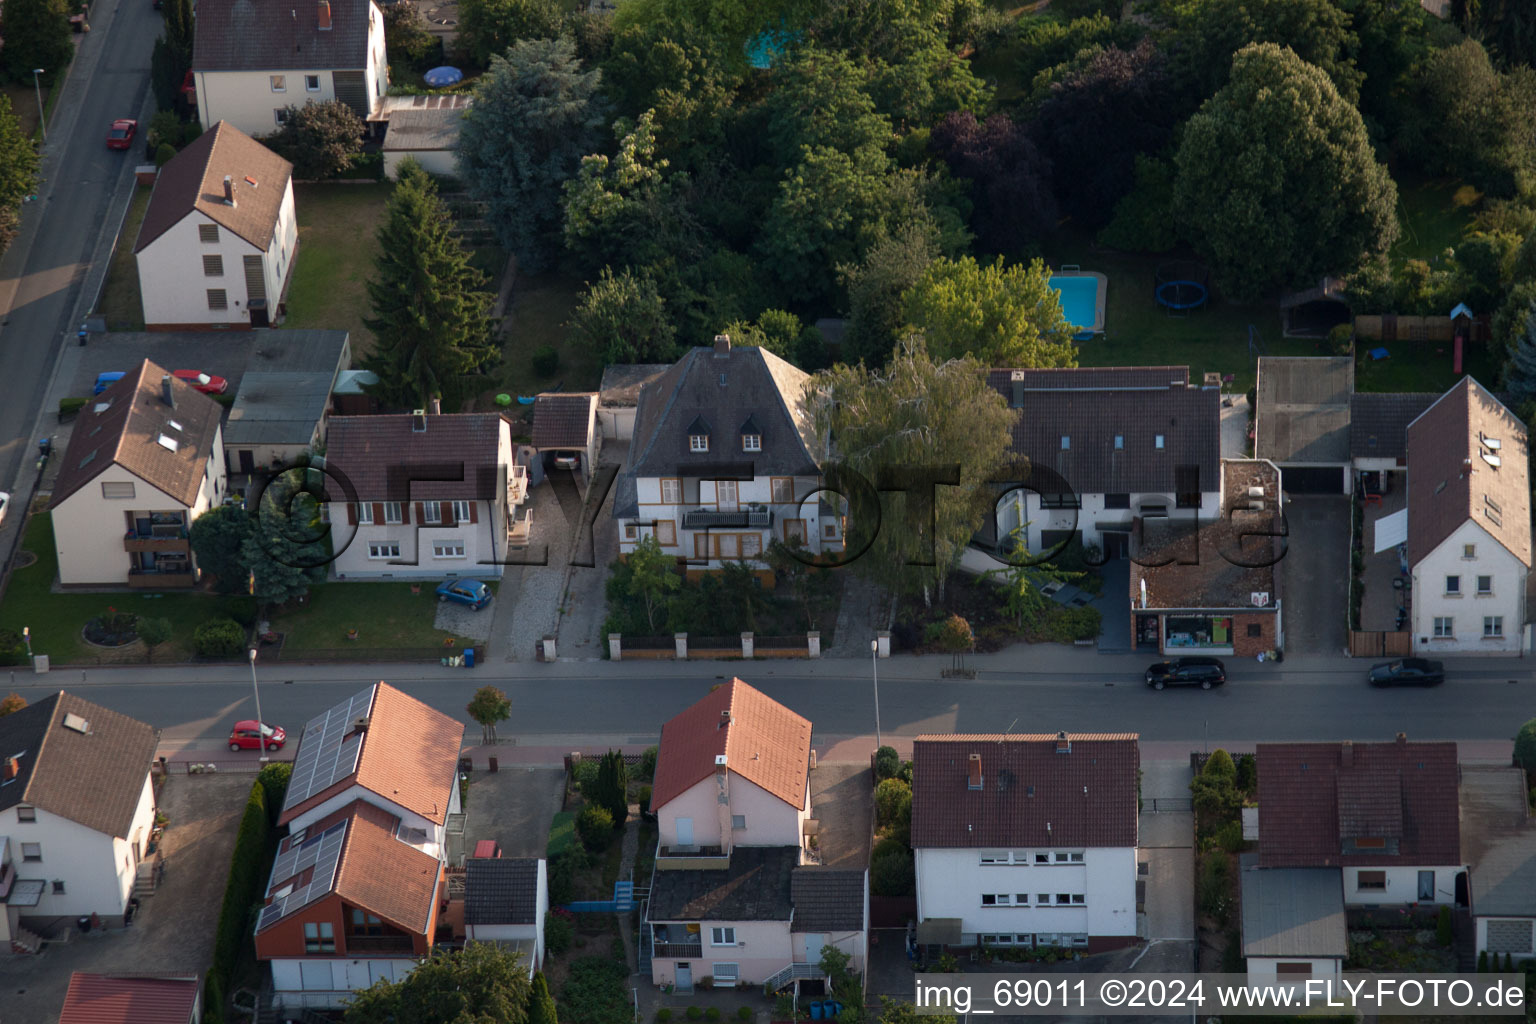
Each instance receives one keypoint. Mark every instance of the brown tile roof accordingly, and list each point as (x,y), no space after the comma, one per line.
(243,35)
(563,420)
(1404,793)
(384,876)
(94,778)
(1031,794)
(1093,406)
(379,455)
(1378,422)
(1303,408)
(1451,479)
(138,999)
(409,756)
(124,424)
(764,742)
(194,180)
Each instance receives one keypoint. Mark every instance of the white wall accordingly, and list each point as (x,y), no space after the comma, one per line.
(749,492)
(89,529)
(1261,969)
(441,162)
(1402,886)
(1024,507)
(1468,608)
(762,950)
(481,549)
(174,288)
(325,983)
(950,883)
(770,821)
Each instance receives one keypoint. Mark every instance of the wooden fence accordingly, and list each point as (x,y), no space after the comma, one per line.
(1380,643)
(1390,328)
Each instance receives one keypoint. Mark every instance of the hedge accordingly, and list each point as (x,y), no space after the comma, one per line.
(245,887)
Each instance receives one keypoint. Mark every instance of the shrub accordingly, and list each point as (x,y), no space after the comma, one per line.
(584,774)
(645,800)
(273,780)
(694,1013)
(70,406)
(562,870)
(13,649)
(712,1014)
(1247,773)
(243,612)
(887,763)
(1230,836)
(247,876)
(1444,933)
(744,1013)
(647,768)
(663,1015)
(220,638)
(164,154)
(1482,962)
(1212,888)
(545,360)
(12,703)
(1341,339)
(1219,765)
(595,992)
(893,802)
(893,874)
(595,827)
(559,932)
(1525,747)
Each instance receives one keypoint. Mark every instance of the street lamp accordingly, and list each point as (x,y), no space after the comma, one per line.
(41,120)
(261,726)
(26,634)
(874,666)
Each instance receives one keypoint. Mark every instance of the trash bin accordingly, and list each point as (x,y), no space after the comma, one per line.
(815,1006)
(84,924)
(469,657)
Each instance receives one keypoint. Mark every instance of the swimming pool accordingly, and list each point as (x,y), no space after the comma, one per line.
(1082,300)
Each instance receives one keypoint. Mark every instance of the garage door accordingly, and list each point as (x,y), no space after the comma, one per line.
(1509,936)
(1312,479)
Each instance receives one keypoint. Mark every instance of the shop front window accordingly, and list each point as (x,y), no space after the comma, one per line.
(1200,631)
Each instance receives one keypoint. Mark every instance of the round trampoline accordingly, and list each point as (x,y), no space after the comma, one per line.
(1182,286)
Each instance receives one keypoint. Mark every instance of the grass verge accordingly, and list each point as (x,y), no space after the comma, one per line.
(121,305)
(562,834)
(337,224)
(386,615)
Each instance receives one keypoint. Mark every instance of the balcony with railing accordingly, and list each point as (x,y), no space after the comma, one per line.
(517,486)
(155,531)
(747,517)
(675,940)
(379,944)
(692,858)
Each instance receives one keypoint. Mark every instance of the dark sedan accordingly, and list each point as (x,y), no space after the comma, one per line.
(1202,672)
(1408,672)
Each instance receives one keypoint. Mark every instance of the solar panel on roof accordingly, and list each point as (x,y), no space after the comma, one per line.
(324,858)
(325,754)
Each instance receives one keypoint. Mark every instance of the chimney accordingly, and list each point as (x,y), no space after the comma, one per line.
(229,190)
(1402,738)
(722,344)
(973,779)
(1347,754)
(166,393)
(361,725)
(1018,394)
(418,421)
(12,768)
(1063,745)
(325,15)
(436,405)
(725,718)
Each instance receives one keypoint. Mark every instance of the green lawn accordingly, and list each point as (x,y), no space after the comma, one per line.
(1433,215)
(120,301)
(562,834)
(540,308)
(1421,366)
(337,224)
(57,619)
(385,615)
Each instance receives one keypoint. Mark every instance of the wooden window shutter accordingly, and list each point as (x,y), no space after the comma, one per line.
(351,514)
(405,513)
(445,513)
(421,515)
(474,512)
(378,512)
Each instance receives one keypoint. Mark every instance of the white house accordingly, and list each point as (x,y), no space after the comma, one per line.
(1293,923)
(431,495)
(250,62)
(1467,525)
(737,897)
(77,813)
(1385,816)
(358,886)
(1107,446)
(723,461)
(505,900)
(145,459)
(221,217)
(1026,840)
(424,129)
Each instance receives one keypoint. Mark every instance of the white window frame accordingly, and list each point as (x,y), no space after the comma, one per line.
(1444,626)
(461,512)
(726,972)
(738,822)
(383,549)
(722,936)
(432,513)
(120,489)
(280,116)
(392,515)
(1452,586)
(999,899)
(698,442)
(25,813)
(448,548)
(35,856)
(751,442)
(311,78)
(365,513)
(671,490)
(1482,590)
(1493,627)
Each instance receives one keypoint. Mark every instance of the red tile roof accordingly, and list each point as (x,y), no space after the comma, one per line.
(115,999)
(380,454)
(1035,790)
(384,876)
(1311,804)
(763,741)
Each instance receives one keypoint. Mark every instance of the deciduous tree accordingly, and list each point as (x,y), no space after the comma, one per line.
(430,312)
(1210,32)
(1277,179)
(406,37)
(475,985)
(876,286)
(218,539)
(488,706)
(488,27)
(171,58)
(536,114)
(18,170)
(653,577)
(1002,315)
(36,34)
(11,703)
(1469,119)
(1010,180)
(319,139)
(624,319)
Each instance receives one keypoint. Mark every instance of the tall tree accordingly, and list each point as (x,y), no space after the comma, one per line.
(430,312)
(1507,26)
(1000,315)
(488,706)
(1210,32)
(1010,180)
(218,539)
(285,553)
(820,99)
(776,330)
(612,790)
(407,39)
(171,58)
(1277,179)
(876,284)
(622,318)
(18,170)
(478,984)
(1469,119)
(541,1005)
(653,576)
(36,34)
(888,426)
(319,139)
(1520,371)
(488,27)
(536,114)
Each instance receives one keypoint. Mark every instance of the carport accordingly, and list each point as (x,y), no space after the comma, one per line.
(1301,421)
(564,427)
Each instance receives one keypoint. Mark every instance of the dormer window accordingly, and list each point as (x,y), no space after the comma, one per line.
(751,442)
(698,442)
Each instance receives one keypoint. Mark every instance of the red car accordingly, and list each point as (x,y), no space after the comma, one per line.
(244,736)
(120,135)
(206,383)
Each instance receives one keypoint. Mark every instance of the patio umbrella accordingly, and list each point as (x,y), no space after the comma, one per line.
(442,77)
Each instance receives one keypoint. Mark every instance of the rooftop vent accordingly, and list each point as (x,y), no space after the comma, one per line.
(725,718)
(436,405)
(77,723)
(720,761)
(10,769)
(1063,745)
(418,421)
(973,772)
(1402,737)
(722,344)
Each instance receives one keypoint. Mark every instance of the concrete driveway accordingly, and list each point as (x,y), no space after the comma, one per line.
(843,800)
(228,354)
(1315,575)
(173,930)
(514,807)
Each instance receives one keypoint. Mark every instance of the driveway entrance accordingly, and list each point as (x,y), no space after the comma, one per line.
(1315,574)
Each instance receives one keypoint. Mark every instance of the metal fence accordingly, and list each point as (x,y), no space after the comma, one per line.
(648,643)
(383,654)
(712,643)
(793,642)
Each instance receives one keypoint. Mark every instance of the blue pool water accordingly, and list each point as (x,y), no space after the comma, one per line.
(1080,301)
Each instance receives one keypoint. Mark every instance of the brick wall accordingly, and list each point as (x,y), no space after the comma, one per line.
(1245,646)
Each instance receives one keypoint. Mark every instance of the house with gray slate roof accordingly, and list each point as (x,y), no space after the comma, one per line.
(1293,922)
(505,900)
(724,461)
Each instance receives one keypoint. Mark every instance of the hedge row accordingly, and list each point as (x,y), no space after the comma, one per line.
(244,891)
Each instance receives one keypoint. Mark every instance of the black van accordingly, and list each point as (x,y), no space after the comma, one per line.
(1202,672)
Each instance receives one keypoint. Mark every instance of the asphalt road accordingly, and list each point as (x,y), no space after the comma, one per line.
(595,703)
(77,211)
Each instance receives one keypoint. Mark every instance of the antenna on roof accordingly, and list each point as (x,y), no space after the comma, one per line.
(1008,730)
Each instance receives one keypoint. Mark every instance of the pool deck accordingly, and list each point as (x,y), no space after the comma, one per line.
(1097,326)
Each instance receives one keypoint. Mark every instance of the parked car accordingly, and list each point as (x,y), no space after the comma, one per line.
(5,505)
(1202,672)
(207,383)
(568,460)
(245,737)
(106,380)
(471,592)
(120,135)
(1408,672)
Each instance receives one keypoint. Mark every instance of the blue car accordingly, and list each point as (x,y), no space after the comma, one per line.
(471,592)
(106,380)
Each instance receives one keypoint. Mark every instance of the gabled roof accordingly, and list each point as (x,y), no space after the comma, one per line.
(1455,474)
(501,890)
(1292,912)
(408,755)
(1303,408)
(1035,789)
(1093,407)
(563,420)
(383,875)
(1378,422)
(827,899)
(125,424)
(762,740)
(94,778)
(756,887)
(1313,807)
(244,35)
(380,454)
(194,180)
(129,999)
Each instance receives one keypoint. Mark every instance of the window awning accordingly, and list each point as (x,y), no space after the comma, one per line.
(1391,530)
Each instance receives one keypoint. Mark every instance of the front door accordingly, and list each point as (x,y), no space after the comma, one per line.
(684,979)
(247,461)
(684,831)
(813,944)
(1116,545)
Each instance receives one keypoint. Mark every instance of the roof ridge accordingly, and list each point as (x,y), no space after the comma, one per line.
(42,744)
(202,178)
